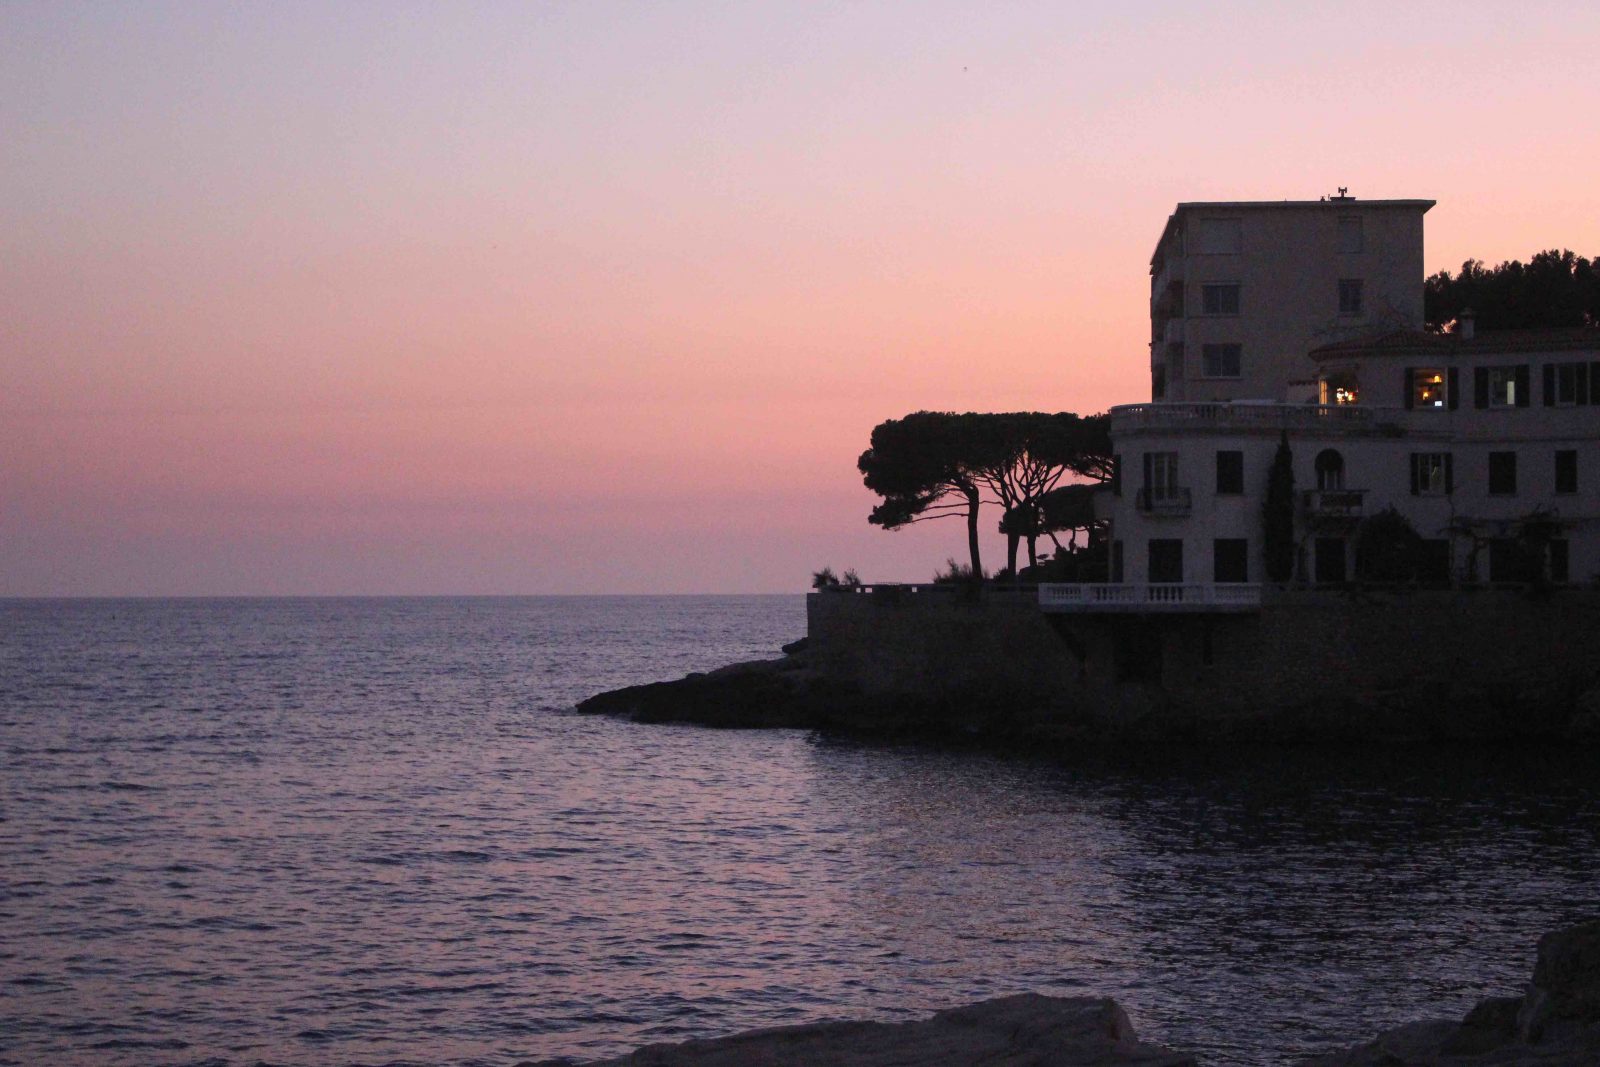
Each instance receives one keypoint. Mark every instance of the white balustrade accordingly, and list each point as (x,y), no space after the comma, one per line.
(1151,597)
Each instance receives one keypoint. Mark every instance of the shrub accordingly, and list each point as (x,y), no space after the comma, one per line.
(1388,548)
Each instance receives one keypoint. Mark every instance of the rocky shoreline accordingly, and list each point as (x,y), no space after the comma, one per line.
(795,692)
(1555,1023)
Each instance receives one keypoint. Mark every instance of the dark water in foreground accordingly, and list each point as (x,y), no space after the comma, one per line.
(331,832)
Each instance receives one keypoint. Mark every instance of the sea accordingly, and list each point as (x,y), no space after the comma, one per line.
(374,831)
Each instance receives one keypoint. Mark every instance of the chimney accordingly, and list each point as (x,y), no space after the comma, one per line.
(1465,328)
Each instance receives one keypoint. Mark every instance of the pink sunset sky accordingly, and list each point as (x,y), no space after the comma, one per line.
(592,297)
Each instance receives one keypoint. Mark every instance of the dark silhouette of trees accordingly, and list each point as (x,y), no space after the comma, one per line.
(1552,289)
(927,466)
(1277,514)
(938,464)
(1388,548)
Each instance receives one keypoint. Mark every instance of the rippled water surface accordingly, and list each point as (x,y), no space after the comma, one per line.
(371,831)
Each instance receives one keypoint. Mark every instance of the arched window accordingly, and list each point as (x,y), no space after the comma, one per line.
(1330,469)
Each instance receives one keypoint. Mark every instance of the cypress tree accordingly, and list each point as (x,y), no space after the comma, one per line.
(1277,514)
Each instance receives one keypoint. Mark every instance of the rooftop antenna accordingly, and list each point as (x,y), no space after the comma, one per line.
(1344,193)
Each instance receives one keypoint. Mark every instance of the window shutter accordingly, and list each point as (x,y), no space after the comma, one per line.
(1453,387)
(1524,384)
(1449,473)
(1149,467)
(1416,474)
(1584,383)
(1409,394)
(1480,387)
(1549,385)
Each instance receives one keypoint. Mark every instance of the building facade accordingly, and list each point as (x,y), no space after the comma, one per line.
(1487,444)
(1241,292)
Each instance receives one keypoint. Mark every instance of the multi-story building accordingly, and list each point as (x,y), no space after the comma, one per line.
(1488,444)
(1240,292)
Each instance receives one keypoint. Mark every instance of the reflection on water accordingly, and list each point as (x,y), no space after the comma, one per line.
(337,831)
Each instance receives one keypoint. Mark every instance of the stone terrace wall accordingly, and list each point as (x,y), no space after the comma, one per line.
(1451,664)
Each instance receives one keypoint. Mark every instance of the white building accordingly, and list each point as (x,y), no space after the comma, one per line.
(1489,444)
(1240,292)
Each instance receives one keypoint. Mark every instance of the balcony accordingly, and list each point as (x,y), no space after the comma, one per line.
(1252,415)
(1171,272)
(1169,500)
(1334,503)
(1154,597)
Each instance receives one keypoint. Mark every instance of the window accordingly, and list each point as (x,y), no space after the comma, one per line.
(1566,384)
(1428,388)
(1230,473)
(1220,298)
(1230,559)
(1116,561)
(1330,469)
(1158,382)
(1433,560)
(1351,237)
(1221,236)
(1329,559)
(1220,361)
(1116,475)
(1349,296)
(1166,559)
(1161,475)
(1507,561)
(1501,387)
(1431,474)
(1502,473)
(1560,561)
(1566,470)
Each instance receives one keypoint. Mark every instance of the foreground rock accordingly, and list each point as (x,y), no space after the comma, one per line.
(1555,1024)
(1021,1031)
(792,693)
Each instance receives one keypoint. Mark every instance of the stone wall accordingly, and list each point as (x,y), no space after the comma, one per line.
(1424,663)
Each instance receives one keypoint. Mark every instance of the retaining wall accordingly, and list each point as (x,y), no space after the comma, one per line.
(1438,663)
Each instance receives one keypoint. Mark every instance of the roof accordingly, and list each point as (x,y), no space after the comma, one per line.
(1485,342)
(1336,203)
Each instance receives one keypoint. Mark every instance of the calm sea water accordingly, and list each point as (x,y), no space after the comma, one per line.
(372,831)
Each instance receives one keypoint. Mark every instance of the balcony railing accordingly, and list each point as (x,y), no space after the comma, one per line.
(1335,503)
(1248,415)
(1151,597)
(1167,501)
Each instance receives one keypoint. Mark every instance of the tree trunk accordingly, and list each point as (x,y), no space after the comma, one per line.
(1033,550)
(972,534)
(1011,555)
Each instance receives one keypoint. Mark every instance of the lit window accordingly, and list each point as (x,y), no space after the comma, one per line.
(1351,238)
(1220,361)
(1428,388)
(1220,299)
(1346,395)
(1349,296)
